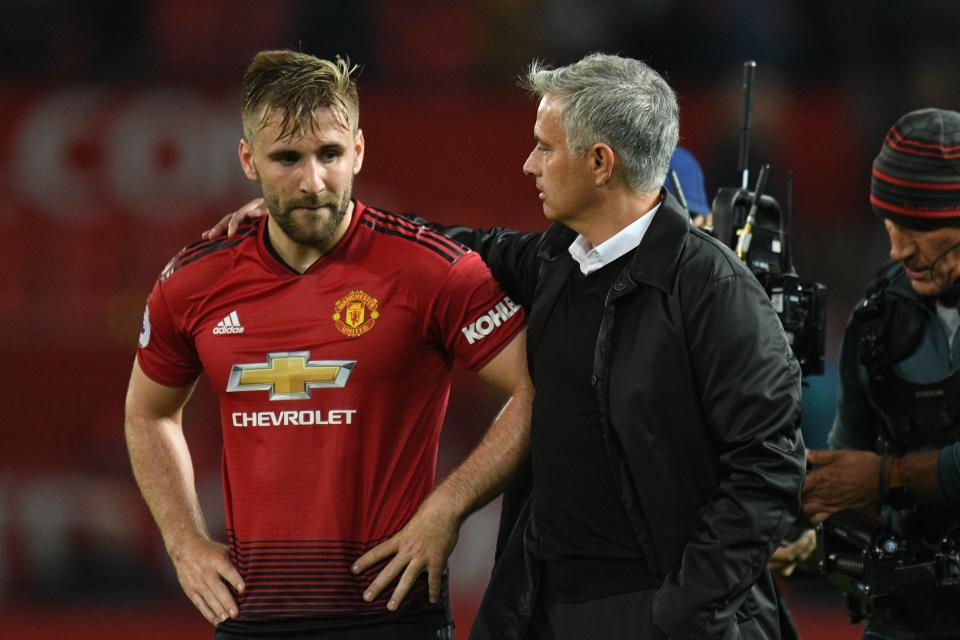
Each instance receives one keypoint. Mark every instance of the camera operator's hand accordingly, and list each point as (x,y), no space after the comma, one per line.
(786,558)
(845,479)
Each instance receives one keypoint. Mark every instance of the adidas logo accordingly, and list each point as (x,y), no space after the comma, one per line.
(229,324)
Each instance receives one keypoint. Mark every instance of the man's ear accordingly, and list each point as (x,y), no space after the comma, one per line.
(359,147)
(246,160)
(601,161)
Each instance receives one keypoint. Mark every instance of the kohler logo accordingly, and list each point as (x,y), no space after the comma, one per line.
(929,393)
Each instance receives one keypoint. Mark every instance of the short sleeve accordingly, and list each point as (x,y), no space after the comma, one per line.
(164,352)
(471,314)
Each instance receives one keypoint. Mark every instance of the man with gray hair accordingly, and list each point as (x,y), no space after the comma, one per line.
(665,445)
(665,459)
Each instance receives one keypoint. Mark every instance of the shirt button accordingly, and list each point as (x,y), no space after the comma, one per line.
(619,286)
(593,380)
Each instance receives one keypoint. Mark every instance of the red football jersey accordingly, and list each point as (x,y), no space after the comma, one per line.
(333,386)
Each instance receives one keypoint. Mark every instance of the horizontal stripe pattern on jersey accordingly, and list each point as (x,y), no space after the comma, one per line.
(309,578)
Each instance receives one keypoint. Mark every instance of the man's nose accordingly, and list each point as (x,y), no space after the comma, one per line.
(312,179)
(902,245)
(530,167)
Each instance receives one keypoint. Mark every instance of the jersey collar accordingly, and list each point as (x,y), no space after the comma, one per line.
(274,263)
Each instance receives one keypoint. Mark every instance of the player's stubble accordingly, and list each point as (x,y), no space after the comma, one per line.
(310,220)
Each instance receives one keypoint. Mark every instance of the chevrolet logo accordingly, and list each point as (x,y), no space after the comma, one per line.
(290,375)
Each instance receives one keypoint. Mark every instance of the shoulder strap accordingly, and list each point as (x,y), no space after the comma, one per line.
(891,328)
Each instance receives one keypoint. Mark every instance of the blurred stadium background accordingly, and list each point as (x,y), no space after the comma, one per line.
(118,146)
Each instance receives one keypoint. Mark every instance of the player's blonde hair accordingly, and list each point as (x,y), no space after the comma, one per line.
(297,84)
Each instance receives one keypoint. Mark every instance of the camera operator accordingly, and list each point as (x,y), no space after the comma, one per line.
(894,443)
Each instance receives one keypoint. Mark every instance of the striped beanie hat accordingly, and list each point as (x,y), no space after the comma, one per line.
(916,175)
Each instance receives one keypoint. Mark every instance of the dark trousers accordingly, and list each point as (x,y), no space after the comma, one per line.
(362,633)
(620,617)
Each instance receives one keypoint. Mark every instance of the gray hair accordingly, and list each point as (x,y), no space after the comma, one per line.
(617,101)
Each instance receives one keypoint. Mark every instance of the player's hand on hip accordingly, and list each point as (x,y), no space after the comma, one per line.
(424,544)
(229,223)
(205,571)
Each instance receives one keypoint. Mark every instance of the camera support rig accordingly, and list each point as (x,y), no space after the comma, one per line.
(753,224)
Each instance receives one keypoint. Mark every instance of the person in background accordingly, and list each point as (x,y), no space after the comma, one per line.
(895,442)
(690,175)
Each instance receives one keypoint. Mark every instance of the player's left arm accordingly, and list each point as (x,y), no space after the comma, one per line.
(428,539)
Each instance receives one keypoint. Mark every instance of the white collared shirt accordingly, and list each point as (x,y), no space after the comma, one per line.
(592,258)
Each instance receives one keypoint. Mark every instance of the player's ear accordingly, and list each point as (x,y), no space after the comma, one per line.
(246,159)
(358,147)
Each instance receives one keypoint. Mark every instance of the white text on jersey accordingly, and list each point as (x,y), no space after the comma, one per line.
(229,324)
(293,418)
(485,324)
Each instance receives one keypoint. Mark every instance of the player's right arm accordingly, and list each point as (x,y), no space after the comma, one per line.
(164,472)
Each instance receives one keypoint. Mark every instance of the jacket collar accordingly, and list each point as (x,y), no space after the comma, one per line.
(655,261)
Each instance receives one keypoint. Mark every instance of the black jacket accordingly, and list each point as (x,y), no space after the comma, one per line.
(699,395)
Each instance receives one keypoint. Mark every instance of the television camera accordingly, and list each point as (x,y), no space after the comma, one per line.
(752,223)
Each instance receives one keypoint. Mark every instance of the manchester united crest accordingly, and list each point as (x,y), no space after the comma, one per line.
(355,313)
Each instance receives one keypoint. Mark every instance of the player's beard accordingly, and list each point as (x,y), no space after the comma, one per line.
(313,228)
